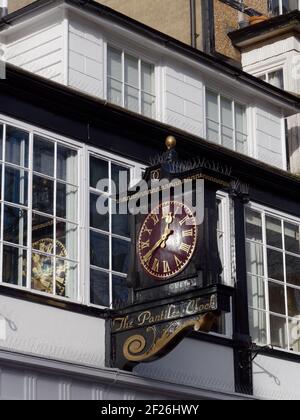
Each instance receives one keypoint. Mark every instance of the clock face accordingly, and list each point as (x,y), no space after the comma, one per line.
(167,240)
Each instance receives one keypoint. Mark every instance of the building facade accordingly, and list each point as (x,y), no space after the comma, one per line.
(90,93)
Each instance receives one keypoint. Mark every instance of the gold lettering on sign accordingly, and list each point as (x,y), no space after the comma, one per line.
(185,248)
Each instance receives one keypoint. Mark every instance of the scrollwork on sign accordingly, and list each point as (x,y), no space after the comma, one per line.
(135,347)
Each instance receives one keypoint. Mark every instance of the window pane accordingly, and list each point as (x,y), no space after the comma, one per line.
(258,326)
(293,302)
(120,224)
(147,78)
(148,105)
(253,226)
(276,79)
(14,266)
(16,186)
(212,108)
(212,131)
(17,144)
(120,291)
(98,221)
(43,194)
(120,255)
(292,238)
(67,202)
(292,270)
(131,71)
(120,176)
(42,273)
(114,63)
(67,168)
(114,92)
(240,118)
(276,298)
(98,171)
(15,226)
(42,233)
(241,143)
(256,292)
(254,253)
(227,138)
(278,332)
(289,5)
(274,232)
(99,250)
(275,265)
(43,156)
(66,240)
(294,331)
(274,6)
(99,288)
(131,99)
(66,279)
(226,112)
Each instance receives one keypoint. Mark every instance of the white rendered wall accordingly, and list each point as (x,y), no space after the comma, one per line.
(50,332)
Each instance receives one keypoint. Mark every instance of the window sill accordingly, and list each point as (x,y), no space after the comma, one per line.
(280,354)
(78,308)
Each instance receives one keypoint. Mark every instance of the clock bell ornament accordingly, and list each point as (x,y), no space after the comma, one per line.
(175,275)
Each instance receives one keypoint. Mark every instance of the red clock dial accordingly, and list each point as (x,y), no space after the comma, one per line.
(167,240)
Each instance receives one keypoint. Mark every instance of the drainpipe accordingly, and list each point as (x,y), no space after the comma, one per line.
(3,8)
(193,23)
(208,25)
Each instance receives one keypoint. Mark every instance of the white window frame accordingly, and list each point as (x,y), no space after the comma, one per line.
(136,171)
(141,57)
(284,217)
(234,101)
(281,7)
(64,141)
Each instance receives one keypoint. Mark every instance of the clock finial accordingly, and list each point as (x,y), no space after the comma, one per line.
(171,142)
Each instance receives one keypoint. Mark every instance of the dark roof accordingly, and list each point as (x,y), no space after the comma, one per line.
(100,10)
(272,27)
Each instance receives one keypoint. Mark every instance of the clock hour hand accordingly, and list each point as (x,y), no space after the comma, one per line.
(162,240)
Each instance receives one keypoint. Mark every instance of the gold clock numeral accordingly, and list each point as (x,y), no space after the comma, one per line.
(185,248)
(145,245)
(183,221)
(147,258)
(177,261)
(155,266)
(149,231)
(187,233)
(155,219)
(167,268)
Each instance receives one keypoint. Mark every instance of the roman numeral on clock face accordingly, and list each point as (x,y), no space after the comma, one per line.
(155,219)
(155,266)
(185,248)
(166,267)
(149,231)
(187,233)
(177,261)
(145,245)
(184,220)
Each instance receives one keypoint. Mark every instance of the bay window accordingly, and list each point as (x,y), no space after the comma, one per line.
(39,213)
(275,78)
(131,82)
(226,122)
(273,265)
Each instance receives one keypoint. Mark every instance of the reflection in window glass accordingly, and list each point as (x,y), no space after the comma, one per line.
(17,146)
(53,254)
(273,295)
(99,288)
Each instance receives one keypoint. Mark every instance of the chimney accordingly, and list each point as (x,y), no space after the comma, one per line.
(3,8)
